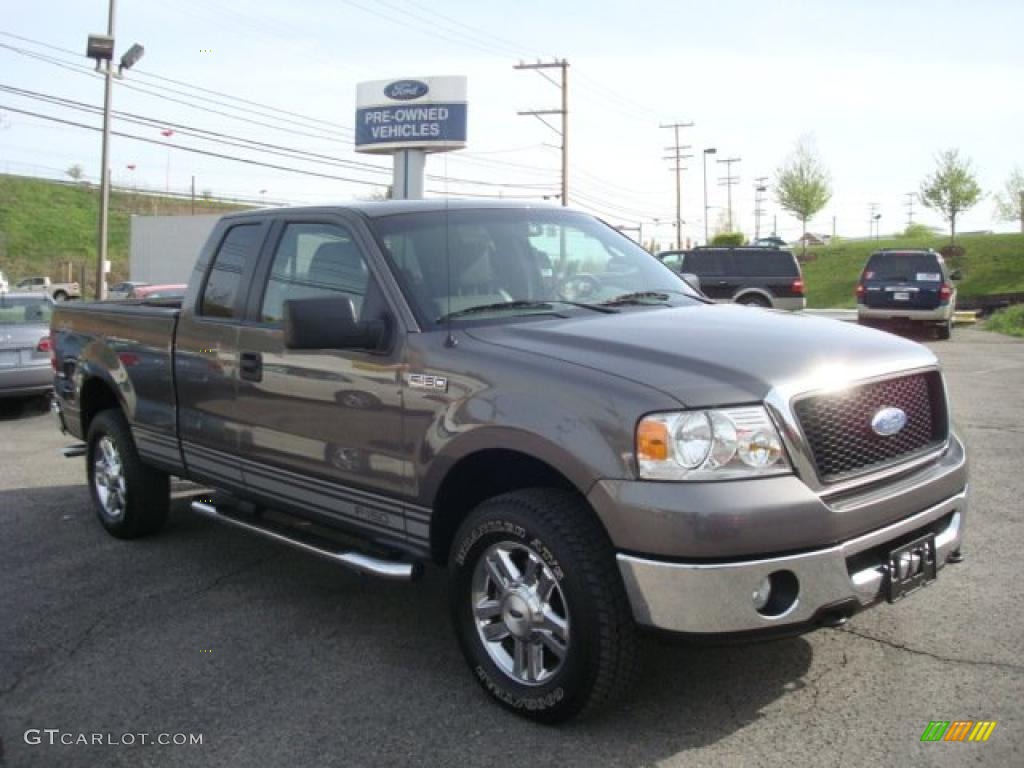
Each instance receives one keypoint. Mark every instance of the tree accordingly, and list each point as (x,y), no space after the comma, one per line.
(76,172)
(952,189)
(803,185)
(1010,202)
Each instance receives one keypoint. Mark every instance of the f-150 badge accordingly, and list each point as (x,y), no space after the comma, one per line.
(423,381)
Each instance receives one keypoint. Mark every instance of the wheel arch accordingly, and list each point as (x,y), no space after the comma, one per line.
(481,475)
(759,292)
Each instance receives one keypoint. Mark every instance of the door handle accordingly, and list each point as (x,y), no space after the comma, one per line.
(250,366)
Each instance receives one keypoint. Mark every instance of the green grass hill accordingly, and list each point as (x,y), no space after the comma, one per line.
(44,225)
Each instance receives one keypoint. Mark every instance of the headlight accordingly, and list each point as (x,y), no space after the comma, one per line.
(709,445)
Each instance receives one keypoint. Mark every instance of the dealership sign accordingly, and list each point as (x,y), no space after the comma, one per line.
(426,113)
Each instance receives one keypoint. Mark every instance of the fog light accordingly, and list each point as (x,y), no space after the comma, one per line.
(762,594)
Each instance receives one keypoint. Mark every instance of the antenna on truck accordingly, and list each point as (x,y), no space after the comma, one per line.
(450,340)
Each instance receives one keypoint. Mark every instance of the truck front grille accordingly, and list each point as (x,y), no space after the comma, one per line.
(838,429)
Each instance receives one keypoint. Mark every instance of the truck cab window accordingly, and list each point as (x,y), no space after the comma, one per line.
(314,260)
(236,253)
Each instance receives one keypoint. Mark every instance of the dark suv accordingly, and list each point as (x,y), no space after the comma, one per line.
(760,277)
(907,287)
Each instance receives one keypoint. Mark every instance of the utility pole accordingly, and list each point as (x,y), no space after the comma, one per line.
(910,207)
(678,158)
(101,49)
(707,151)
(833,230)
(729,181)
(760,187)
(1022,212)
(872,219)
(193,195)
(108,75)
(563,86)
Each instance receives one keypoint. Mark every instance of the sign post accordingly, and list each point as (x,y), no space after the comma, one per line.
(408,119)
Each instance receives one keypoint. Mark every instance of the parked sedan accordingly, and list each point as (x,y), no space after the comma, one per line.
(25,344)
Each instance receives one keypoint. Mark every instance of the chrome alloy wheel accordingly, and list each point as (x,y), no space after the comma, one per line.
(520,613)
(108,478)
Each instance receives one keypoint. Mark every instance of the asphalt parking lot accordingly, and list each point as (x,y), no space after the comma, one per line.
(280,659)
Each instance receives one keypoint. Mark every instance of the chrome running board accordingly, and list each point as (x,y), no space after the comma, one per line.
(391,570)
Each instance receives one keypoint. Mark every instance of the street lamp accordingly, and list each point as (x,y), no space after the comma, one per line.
(708,151)
(101,49)
(878,224)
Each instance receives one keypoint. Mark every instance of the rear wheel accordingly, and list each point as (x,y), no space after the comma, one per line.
(754,301)
(945,330)
(60,296)
(131,499)
(539,606)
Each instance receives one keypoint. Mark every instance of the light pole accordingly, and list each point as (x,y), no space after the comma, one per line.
(101,48)
(708,151)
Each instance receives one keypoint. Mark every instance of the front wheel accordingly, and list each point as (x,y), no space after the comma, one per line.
(131,499)
(539,606)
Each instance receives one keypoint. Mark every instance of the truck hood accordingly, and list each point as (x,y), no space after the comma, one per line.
(708,355)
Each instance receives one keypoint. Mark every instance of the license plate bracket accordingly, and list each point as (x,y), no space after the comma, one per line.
(911,566)
(901,296)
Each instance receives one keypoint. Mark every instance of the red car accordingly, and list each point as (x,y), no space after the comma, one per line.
(169,291)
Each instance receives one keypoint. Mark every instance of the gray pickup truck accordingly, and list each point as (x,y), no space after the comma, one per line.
(522,395)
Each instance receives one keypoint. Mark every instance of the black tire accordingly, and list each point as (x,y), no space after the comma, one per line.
(754,301)
(144,493)
(600,659)
(944,331)
(60,296)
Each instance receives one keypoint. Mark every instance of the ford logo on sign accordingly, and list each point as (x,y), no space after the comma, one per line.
(404,90)
(888,421)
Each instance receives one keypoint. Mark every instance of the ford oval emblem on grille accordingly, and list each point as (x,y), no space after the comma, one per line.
(404,90)
(888,421)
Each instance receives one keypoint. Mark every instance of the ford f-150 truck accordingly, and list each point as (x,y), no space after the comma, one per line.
(524,396)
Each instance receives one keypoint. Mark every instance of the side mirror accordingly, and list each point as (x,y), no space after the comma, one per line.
(956,274)
(328,322)
(692,280)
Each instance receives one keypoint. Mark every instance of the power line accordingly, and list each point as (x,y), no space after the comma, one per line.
(234,158)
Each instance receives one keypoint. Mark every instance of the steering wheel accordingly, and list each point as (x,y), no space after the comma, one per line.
(578,287)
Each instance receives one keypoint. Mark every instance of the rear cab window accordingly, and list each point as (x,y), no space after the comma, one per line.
(224,282)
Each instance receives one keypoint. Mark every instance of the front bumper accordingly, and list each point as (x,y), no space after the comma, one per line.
(716,598)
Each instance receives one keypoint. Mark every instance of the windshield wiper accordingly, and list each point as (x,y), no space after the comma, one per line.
(480,308)
(638,297)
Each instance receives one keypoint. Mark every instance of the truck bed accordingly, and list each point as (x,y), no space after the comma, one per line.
(130,346)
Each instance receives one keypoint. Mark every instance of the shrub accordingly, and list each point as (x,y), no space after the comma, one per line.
(1009,321)
(729,238)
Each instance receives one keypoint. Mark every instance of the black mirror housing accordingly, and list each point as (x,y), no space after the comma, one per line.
(328,322)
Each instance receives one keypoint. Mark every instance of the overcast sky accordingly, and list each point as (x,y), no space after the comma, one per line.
(881,87)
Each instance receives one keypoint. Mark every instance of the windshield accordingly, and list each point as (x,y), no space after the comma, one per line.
(512,262)
(24,311)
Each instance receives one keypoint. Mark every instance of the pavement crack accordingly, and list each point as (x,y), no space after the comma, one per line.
(929,654)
